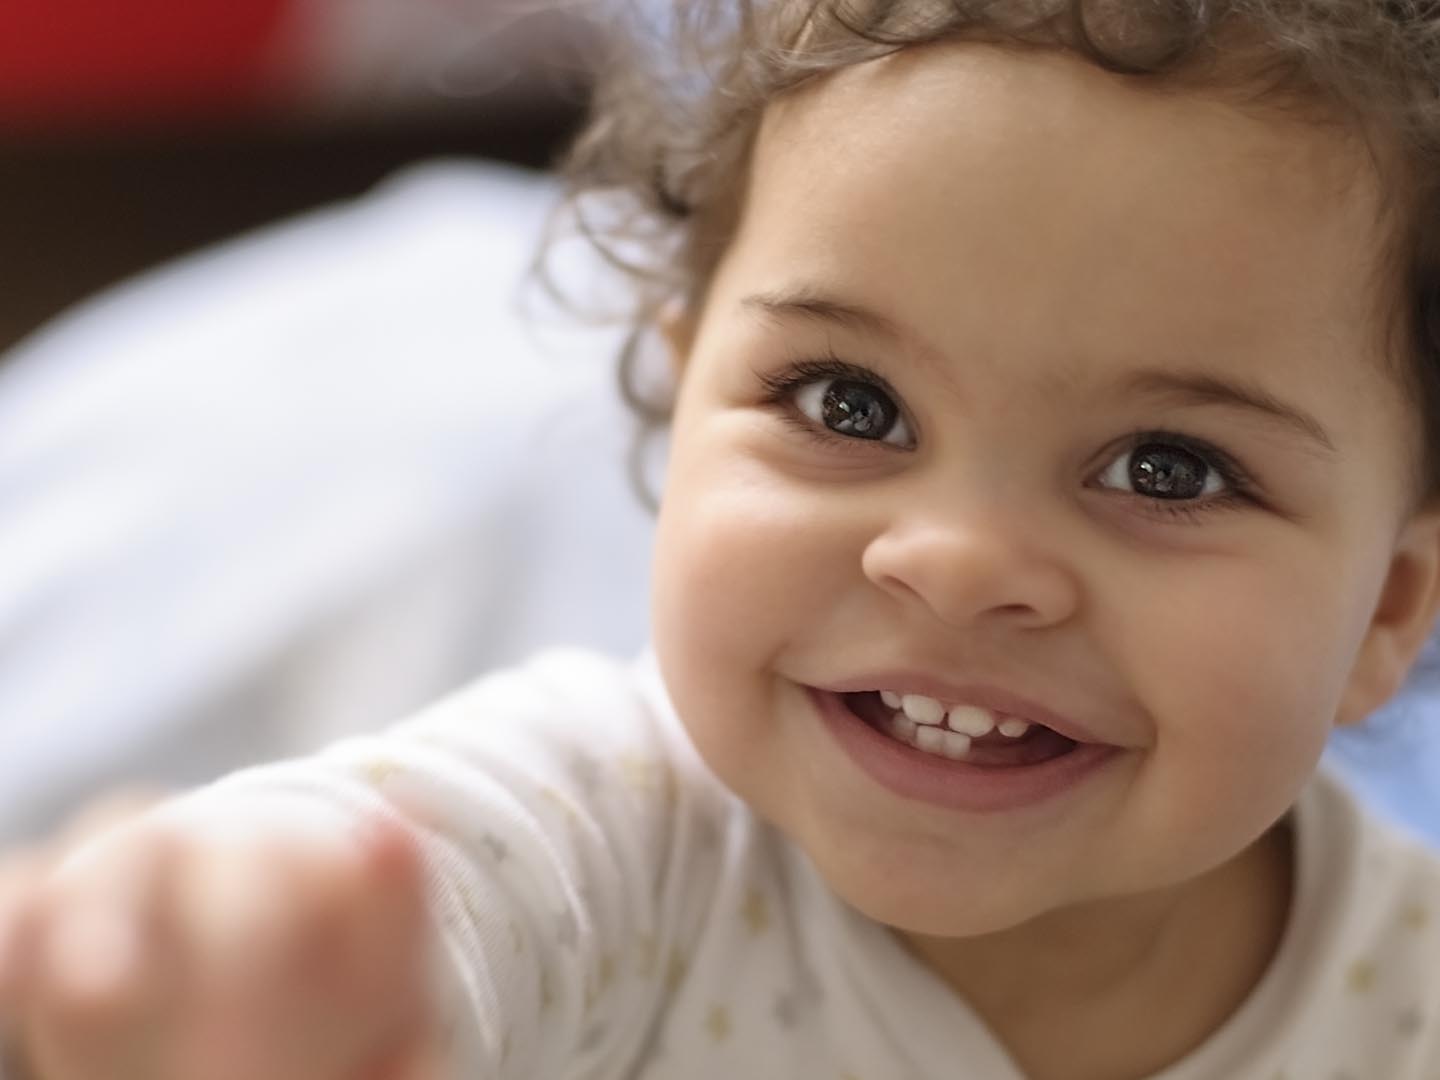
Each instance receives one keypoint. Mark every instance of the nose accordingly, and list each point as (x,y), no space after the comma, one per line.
(969,566)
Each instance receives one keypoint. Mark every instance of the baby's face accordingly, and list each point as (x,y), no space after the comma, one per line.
(1114,439)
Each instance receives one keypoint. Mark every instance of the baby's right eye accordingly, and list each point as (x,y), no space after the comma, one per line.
(839,399)
(851,408)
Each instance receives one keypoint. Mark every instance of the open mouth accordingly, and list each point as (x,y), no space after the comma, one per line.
(964,734)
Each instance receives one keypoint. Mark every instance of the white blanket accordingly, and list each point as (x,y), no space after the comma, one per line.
(297,486)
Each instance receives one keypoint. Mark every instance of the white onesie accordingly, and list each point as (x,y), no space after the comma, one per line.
(608,910)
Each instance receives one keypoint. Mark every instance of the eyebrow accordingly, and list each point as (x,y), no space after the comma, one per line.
(1202,389)
(1188,388)
(816,307)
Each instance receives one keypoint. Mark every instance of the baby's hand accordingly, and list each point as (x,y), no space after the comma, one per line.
(262,949)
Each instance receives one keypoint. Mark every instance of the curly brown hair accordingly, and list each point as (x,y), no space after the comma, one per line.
(676,113)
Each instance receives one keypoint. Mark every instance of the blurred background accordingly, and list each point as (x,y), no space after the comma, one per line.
(285,451)
(136,130)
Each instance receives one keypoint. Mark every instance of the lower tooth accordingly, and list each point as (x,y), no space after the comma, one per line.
(933,740)
(956,745)
(930,739)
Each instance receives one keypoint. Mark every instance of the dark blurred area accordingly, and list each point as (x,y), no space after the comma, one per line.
(134,132)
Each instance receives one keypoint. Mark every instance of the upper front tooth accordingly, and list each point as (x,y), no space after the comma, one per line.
(890,698)
(971,720)
(922,709)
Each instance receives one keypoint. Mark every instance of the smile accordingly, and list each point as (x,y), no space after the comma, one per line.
(962,758)
(958,732)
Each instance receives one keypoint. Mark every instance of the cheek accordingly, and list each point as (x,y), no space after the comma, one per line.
(744,571)
(1242,694)
(1264,632)
(744,558)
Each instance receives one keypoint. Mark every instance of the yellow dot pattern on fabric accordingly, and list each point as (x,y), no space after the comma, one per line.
(1415,917)
(1360,979)
(756,912)
(638,773)
(378,772)
(675,970)
(565,806)
(717,1023)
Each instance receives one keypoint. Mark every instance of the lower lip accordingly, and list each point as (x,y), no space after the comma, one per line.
(955,785)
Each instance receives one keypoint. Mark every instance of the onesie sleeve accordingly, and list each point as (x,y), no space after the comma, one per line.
(562,833)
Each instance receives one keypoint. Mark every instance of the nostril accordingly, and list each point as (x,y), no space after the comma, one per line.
(961,575)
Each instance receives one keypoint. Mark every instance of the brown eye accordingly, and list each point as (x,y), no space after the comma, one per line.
(854,409)
(1162,471)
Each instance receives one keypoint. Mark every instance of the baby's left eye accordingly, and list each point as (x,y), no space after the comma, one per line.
(1165,471)
(853,408)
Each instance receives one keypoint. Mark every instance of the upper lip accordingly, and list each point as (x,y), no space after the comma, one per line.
(986,696)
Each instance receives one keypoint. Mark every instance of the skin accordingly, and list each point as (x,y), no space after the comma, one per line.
(141,949)
(1034,233)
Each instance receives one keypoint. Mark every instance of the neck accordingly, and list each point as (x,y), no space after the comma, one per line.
(1122,988)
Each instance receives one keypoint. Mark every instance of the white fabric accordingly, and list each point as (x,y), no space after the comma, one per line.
(609,911)
(298,486)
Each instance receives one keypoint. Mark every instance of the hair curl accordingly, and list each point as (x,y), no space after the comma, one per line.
(676,111)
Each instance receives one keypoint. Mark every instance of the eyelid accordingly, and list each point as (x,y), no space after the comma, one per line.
(1242,491)
(782,385)
(824,366)
(1233,472)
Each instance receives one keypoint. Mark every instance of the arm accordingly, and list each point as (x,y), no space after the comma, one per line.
(538,811)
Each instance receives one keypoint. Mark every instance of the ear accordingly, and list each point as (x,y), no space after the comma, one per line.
(677,327)
(1403,619)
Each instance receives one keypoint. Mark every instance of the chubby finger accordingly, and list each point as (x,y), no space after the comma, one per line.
(102,971)
(21,877)
(385,936)
(286,936)
(373,977)
(386,956)
(374,982)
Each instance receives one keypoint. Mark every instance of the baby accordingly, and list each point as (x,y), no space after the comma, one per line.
(1055,459)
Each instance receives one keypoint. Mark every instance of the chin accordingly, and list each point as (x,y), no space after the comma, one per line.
(934,921)
(926,907)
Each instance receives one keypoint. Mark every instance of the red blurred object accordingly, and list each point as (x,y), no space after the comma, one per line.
(67,63)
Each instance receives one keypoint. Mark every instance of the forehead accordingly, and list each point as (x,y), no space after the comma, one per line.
(1028,205)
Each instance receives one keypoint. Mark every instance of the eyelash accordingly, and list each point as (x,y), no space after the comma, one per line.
(781,386)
